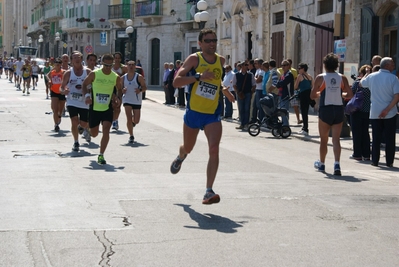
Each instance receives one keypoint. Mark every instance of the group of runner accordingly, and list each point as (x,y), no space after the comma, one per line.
(25,72)
(93,95)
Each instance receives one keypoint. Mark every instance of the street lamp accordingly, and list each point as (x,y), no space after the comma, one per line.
(29,41)
(57,39)
(40,45)
(202,16)
(129,30)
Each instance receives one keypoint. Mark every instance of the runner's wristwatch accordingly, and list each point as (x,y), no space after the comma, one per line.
(197,76)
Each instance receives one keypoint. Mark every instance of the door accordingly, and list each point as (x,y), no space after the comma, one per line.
(324,44)
(278,47)
(155,61)
(368,42)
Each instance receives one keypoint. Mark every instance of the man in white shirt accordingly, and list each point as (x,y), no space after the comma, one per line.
(228,85)
(255,105)
(384,88)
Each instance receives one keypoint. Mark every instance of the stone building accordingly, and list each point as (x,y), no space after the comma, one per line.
(165,30)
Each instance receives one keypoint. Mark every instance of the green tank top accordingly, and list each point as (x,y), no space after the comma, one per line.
(102,89)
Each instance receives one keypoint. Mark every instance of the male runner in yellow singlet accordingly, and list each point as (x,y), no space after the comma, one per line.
(203,111)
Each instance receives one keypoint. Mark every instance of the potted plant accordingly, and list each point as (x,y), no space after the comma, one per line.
(90,25)
(25,27)
(102,20)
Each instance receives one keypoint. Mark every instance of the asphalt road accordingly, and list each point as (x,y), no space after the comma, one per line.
(60,208)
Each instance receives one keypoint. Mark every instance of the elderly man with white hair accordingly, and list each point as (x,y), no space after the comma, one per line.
(384,88)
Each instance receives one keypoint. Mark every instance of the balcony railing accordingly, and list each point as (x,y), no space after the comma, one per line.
(120,12)
(149,8)
(69,23)
(53,13)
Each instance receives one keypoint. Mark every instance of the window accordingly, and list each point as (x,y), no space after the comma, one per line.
(81,12)
(325,6)
(278,18)
(1,8)
(89,11)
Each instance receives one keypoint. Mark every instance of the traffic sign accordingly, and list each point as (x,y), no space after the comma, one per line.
(89,49)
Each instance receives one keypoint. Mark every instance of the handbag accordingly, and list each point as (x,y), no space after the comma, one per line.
(241,94)
(355,103)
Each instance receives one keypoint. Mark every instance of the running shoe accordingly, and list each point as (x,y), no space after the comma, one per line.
(210,198)
(80,129)
(101,160)
(337,169)
(115,125)
(28,92)
(131,139)
(319,166)
(75,146)
(57,128)
(86,135)
(23,91)
(176,164)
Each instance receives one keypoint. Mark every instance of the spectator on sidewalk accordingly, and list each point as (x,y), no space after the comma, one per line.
(244,85)
(304,84)
(228,85)
(360,120)
(286,88)
(384,88)
(165,83)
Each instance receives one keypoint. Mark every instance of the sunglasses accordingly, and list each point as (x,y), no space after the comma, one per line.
(107,65)
(131,64)
(208,41)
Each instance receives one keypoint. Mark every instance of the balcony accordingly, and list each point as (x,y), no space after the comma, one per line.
(53,14)
(69,25)
(120,13)
(93,26)
(149,10)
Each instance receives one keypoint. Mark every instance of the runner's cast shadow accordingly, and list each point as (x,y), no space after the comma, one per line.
(119,132)
(90,145)
(135,144)
(210,221)
(76,154)
(346,178)
(61,133)
(103,167)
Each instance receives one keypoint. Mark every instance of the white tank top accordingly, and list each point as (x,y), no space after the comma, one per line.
(130,97)
(118,71)
(75,97)
(332,93)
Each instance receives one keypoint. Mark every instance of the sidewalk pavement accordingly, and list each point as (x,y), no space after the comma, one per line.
(156,94)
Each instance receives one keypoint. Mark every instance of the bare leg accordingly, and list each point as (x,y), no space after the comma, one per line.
(213,133)
(324,130)
(336,134)
(105,138)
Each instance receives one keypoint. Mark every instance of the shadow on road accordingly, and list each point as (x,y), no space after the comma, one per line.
(74,154)
(135,144)
(106,167)
(209,221)
(347,178)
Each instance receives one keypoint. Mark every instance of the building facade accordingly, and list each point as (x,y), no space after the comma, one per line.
(165,30)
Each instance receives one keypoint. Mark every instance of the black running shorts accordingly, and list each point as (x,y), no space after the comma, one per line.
(331,114)
(96,117)
(75,111)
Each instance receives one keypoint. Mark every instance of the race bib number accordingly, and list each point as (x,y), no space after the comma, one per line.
(102,98)
(206,90)
(77,96)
